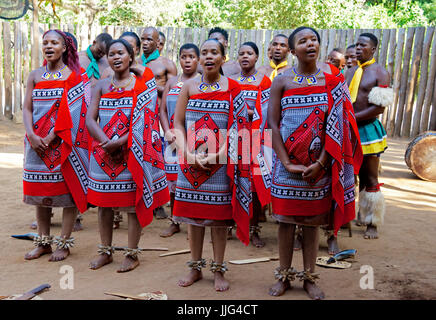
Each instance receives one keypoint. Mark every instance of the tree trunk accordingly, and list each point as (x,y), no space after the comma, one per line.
(36,35)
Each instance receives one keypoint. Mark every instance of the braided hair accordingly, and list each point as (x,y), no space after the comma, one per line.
(70,56)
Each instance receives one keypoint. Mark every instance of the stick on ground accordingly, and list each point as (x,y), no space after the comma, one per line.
(253,260)
(174,253)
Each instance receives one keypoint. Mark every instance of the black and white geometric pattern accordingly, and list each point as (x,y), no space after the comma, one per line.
(286,185)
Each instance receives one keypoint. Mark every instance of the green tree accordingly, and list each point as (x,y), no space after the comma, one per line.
(243,14)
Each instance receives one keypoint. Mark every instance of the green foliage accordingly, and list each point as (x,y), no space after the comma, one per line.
(144,13)
(244,14)
(429,7)
(285,14)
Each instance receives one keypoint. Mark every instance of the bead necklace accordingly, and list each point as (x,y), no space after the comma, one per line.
(56,74)
(251,78)
(213,86)
(310,79)
(120,89)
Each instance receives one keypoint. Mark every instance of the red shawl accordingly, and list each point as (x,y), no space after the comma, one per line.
(261,174)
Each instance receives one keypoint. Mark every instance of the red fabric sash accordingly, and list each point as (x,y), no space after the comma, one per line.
(263,193)
(145,117)
(348,152)
(238,172)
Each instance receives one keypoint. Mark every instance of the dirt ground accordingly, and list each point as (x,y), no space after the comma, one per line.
(402,259)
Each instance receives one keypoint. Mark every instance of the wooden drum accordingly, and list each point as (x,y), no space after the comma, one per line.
(420,155)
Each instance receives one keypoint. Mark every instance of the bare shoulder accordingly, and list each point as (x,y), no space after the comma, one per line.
(167,61)
(108,72)
(261,69)
(383,76)
(234,76)
(34,73)
(191,85)
(172,82)
(350,72)
(325,67)
(280,79)
(83,55)
(264,70)
(381,70)
(102,83)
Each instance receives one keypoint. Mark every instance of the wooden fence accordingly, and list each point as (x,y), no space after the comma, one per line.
(408,54)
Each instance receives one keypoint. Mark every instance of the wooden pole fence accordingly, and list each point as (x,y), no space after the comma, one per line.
(409,55)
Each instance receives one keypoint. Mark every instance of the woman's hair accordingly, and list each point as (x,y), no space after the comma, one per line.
(70,56)
(252,45)
(133,35)
(219,30)
(73,38)
(188,46)
(127,45)
(292,36)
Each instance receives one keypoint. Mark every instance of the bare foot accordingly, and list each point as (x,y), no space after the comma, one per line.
(160,213)
(37,252)
(371,232)
(34,225)
(332,243)
(59,255)
(172,229)
(128,264)
(313,291)
(298,242)
(221,284)
(100,261)
(279,288)
(256,240)
(190,278)
(77,225)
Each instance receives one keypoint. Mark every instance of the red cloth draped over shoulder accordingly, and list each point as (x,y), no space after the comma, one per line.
(348,152)
(62,128)
(147,172)
(238,166)
(257,139)
(349,112)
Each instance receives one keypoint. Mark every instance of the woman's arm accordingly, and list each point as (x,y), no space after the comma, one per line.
(180,130)
(163,114)
(36,142)
(273,118)
(92,115)
(179,120)
(314,170)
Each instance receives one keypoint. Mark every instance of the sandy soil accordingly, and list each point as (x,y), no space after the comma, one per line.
(402,258)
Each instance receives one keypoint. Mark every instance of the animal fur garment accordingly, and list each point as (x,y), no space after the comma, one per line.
(383,97)
(371,207)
